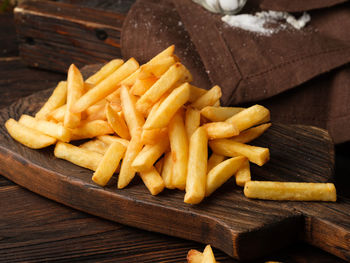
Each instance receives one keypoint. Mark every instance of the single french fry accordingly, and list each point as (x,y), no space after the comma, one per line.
(96,111)
(214,160)
(28,136)
(152,180)
(163,84)
(168,108)
(127,172)
(159,165)
(219,113)
(75,89)
(91,129)
(208,99)
(58,114)
(249,117)
(56,100)
(49,128)
(95,146)
(167,171)
(142,85)
(290,191)
(217,103)
(133,118)
(243,174)
(169,51)
(208,255)
(114,96)
(227,147)
(194,256)
(130,81)
(197,167)
(179,150)
(222,172)
(117,122)
(109,139)
(195,93)
(108,164)
(104,72)
(251,134)
(149,155)
(81,157)
(192,120)
(106,86)
(157,68)
(219,130)
(154,135)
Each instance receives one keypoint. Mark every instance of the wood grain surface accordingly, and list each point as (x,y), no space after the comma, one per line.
(241,227)
(54,34)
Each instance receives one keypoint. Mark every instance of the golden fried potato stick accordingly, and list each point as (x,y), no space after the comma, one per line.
(168,108)
(195,93)
(49,128)
(109,139)
(157,68)
(227,147)
(197,167)
(133,118)
(95,112)
(194,256)
(152,180)
(220,130)
(149,155)
(154,135)
(290,191)
(81,157)
(192,120)
(164,83)
(75,89)
(208,99)
(179,150)
(219,174)
(104,72)
(108,164)
(127,172)
(214,160)
(106,86)
(142,85)
(250,117)
(95,146)
(243,174)
(219,113)
(28,136)
(117,122)
(208,255)
(91,129)
(251,134)
(56,100)
(167,171)
(58,114)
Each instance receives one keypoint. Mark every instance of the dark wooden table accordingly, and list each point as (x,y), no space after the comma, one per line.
(35,229)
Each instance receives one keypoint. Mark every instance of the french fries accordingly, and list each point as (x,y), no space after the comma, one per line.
(197,167)
(290,191)
(158,126)
(108,164)
(194,256)
(81,157)
(57,99)
(28,136)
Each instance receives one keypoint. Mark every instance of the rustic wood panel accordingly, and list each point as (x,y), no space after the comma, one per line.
(242,228)
(52,35)
(8,38)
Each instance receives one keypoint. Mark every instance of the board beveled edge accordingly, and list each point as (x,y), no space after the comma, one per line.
(75,193)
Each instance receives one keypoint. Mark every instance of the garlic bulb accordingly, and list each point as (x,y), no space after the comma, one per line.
(228,7)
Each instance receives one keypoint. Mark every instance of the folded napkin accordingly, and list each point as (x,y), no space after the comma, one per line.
(301,75)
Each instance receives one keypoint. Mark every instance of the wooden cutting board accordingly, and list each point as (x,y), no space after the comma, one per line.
(241,227)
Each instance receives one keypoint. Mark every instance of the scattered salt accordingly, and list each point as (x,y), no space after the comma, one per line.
(260,21)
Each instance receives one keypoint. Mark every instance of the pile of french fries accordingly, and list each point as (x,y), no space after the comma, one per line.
(149,120)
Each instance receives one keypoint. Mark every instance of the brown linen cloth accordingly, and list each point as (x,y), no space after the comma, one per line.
(280,71)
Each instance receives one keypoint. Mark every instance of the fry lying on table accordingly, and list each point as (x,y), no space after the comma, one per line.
(149,120)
